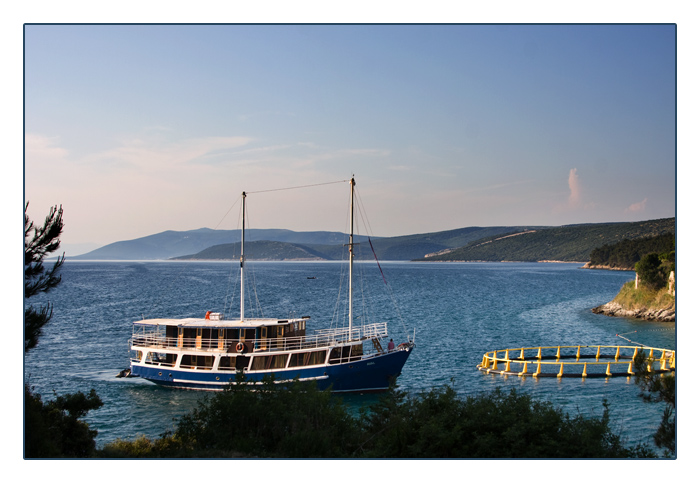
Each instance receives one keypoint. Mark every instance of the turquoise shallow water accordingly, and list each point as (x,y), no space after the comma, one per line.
(459,312)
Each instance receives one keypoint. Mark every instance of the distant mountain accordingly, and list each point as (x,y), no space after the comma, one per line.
(171,244)
(565,243)
(207,244)
(500,243)
(259,250)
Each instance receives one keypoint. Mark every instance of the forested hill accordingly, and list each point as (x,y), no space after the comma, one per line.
(625,254)
(393,248)
(572,243)
(207,244)
(499,243)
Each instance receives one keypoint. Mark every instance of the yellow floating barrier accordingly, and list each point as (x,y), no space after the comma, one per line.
(591,361)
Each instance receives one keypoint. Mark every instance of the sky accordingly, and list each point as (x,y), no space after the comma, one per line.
(138,129)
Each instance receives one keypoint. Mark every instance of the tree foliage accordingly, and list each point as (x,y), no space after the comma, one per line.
(565,243)
(658,388)
(299,421)
(654,269)
(39,242)
(54,429)
(626,253)
(438,424)
(285,421)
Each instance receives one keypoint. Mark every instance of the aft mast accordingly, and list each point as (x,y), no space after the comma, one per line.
(352,222)
(243,261)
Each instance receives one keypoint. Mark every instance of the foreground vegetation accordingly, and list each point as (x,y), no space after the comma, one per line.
(300,421)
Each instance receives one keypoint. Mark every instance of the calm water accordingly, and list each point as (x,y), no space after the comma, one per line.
(459,312)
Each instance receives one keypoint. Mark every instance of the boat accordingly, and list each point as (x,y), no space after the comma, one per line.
(211,352)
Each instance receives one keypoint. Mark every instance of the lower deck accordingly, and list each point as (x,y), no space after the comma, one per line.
(232,362)
(353,373)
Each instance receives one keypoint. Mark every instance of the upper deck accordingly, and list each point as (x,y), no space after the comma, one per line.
(218,323)
(254,334)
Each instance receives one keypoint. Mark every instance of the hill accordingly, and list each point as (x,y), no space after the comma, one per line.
(258,250)
(623,255)
(573,243)
(171,244)
(323,245)
(499,243)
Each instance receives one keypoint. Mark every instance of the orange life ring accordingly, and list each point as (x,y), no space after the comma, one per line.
(206,317)
(240,347)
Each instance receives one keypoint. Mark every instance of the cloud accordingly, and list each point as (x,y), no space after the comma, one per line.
(43,147)
(635,207)
(574,188)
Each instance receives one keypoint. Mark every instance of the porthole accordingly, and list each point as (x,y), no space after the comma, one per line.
(160,373)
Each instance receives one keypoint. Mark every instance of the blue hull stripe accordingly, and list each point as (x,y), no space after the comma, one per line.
(371,374)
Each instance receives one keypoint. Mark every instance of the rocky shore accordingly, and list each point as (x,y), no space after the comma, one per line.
(614,309)
(605,267)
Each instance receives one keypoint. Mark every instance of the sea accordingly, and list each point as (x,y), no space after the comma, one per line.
(455,311)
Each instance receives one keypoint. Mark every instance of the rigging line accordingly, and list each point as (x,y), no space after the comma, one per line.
(226,214)
(297,187)
(375,257)
(368,229)
(363,214)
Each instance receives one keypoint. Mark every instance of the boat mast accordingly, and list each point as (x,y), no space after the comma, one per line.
(352,222)
(242,261)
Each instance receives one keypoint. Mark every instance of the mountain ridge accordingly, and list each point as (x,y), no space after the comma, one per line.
(500,243)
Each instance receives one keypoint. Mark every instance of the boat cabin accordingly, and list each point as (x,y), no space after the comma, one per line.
(234,345)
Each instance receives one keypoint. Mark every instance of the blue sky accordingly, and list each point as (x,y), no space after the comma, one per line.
(140,129)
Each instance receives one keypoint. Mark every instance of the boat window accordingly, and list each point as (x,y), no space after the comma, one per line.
(307,358)
(261,363)
(136,356)
(161,359)
(192,361)
(227,363)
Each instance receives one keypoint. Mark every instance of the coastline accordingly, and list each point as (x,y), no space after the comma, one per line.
(606,267)
(614,309)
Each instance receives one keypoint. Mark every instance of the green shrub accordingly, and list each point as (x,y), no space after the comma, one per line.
(299,421)
(54,429)
(272,420)
(438,424)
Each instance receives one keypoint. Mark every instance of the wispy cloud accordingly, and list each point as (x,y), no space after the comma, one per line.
(637,207)
(574,188)
(43,147)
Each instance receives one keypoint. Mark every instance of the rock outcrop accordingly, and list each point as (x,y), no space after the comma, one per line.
(605,267)
(614,309)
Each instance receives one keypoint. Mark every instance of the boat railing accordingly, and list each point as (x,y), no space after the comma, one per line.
(320,339)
